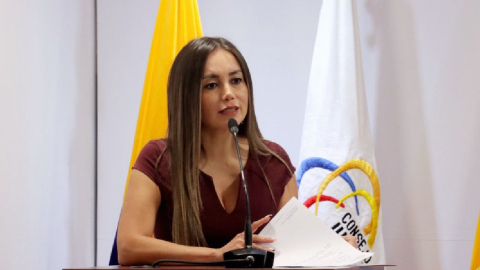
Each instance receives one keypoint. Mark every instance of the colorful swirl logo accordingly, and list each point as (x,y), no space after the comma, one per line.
(374,201)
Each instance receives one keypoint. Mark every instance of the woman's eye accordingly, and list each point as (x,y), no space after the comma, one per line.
(210,85)
(236,80)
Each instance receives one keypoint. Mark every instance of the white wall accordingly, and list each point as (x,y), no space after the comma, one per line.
(421,66)
(47,133)
(125,30)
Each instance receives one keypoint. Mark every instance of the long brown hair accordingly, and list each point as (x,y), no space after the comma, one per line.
(184,129)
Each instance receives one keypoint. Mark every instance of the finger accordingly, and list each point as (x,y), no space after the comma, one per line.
(239,241)
(353,243)
(257,224)
(262,239)
(262,247)
(240,244)
(351,240)
(346,238)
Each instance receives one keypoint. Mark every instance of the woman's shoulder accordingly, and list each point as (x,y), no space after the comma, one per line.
(156,145)
(276,148)
(153,148)
(152,158)
(279,152)
(278,165)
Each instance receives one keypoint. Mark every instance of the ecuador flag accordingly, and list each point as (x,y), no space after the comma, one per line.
(476,249)
(177,23)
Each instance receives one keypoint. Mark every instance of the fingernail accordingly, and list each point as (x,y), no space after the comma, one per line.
(273,239)
(269,215)
(272,249)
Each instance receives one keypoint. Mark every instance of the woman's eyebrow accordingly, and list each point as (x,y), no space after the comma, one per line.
(235,72)
(210,76)
(213,75)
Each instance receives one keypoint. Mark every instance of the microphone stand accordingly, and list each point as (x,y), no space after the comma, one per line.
(258,258)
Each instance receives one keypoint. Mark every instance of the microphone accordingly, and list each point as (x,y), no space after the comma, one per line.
(258,258)
(233,127)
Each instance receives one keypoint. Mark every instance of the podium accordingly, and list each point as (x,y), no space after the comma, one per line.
(198,267)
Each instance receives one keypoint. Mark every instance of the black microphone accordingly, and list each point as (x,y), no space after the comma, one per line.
(258,258)
(233,127)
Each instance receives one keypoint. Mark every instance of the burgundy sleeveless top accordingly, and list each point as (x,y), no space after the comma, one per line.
(219,227)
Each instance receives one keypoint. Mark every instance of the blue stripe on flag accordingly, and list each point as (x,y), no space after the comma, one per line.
(317,162)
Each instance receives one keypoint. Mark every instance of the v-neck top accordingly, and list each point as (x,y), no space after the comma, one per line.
(219,227)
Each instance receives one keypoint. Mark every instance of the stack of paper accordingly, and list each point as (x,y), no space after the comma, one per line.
(303,240)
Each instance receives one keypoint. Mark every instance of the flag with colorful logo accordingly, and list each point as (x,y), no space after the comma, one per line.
(337,174)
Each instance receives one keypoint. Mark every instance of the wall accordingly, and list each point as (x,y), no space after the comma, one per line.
(125,30)
(421,66)
(421,73)
(47,117)
(421,62)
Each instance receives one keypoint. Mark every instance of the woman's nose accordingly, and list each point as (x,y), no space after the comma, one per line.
(228,93)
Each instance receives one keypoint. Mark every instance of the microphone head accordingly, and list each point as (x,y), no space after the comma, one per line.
(233,126)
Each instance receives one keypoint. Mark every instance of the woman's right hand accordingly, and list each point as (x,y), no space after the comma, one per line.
(238,241)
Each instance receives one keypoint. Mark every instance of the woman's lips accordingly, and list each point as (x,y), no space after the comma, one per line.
(229,111)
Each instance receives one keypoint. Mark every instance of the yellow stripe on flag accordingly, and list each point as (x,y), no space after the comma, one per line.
(476,249)
(178,22)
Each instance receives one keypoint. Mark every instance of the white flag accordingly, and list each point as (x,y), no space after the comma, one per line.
(337,155)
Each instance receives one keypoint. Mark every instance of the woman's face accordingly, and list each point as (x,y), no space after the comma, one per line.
(224,91)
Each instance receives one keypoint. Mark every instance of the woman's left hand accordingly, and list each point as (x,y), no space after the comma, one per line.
(351,240)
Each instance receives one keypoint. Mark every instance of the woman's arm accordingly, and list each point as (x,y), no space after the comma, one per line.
(135,242)
(291,190)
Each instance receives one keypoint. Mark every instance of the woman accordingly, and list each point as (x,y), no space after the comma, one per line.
(186,189)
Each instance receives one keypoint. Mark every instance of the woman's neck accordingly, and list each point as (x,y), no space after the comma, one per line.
(219,147)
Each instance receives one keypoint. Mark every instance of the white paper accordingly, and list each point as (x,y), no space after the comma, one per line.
(304,240)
